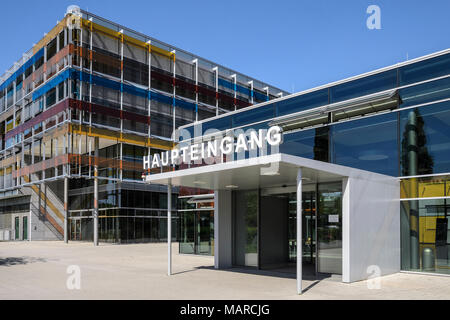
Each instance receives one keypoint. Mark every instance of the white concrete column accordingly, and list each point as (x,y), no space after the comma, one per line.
(169,229)
(96,146)
(346,230)
(223,241)
(66,209)
(299,231)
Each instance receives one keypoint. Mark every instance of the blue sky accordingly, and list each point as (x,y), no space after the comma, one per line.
(294,45)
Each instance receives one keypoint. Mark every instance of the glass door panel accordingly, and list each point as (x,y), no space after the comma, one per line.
(308,227)
(329,228)
(25,228)
(246,226)
(16,228)
(203,232)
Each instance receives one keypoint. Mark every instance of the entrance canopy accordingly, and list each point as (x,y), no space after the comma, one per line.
(262,172)
(370,207)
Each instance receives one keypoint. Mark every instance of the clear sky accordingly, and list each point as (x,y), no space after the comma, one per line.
(291,44)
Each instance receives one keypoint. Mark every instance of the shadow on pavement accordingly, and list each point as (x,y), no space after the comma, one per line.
(14,261)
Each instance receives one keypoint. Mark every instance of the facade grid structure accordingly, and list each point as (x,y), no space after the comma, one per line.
(77,114)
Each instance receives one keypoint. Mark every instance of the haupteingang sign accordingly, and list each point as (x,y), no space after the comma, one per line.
(250,141)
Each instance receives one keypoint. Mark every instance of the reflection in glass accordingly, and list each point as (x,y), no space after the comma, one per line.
(368,144)
(246,226)
(425,139)
(425,235)
(329,228)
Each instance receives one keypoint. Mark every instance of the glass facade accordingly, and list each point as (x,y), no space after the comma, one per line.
(401,130)
(86,103)
(425,241)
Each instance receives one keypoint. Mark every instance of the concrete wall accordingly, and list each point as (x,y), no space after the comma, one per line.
(274,232)
(371,228)
(41,227)
(223,241)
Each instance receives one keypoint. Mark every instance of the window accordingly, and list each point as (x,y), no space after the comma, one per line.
(302,102)
(425,245)
(424,138)
(368,144)
(427,69)
(253,115)
(51,49)
(364,86)
(311,144)
(50,98)
(62,41)
(427,92)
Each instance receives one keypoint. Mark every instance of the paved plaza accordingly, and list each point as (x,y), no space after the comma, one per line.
(38,270)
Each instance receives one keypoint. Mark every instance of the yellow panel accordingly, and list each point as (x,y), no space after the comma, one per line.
(52,34)
(431,189)
(131,40)
(424,188)
(125,138)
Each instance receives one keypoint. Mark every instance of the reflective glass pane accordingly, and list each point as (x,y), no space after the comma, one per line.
(368,144)
(303,102)
(428,69)
(311,144)
(246,226)
(424,138)
(329,228)
(364,86)
(427,92)
(425,235)
(253,115)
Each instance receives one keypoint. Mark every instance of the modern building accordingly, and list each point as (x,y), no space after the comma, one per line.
(360,179)
(77,114)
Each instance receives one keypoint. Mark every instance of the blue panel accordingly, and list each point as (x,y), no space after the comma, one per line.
(30,62)
(243,90)
(260,96)
(135,90)
(184,104)
(226,84)
(51,84)
(106,83)
(160,97)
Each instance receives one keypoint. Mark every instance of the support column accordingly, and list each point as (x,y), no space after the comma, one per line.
(223,224)
(169,229)
(96,143)
(413,148)
(216,74)
(66,209)
(174,93)
(299,231)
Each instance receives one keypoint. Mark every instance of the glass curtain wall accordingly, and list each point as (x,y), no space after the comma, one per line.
(425,237)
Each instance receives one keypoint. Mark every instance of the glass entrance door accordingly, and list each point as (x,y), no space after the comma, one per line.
(308,227)
(75,229)
(329,228)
